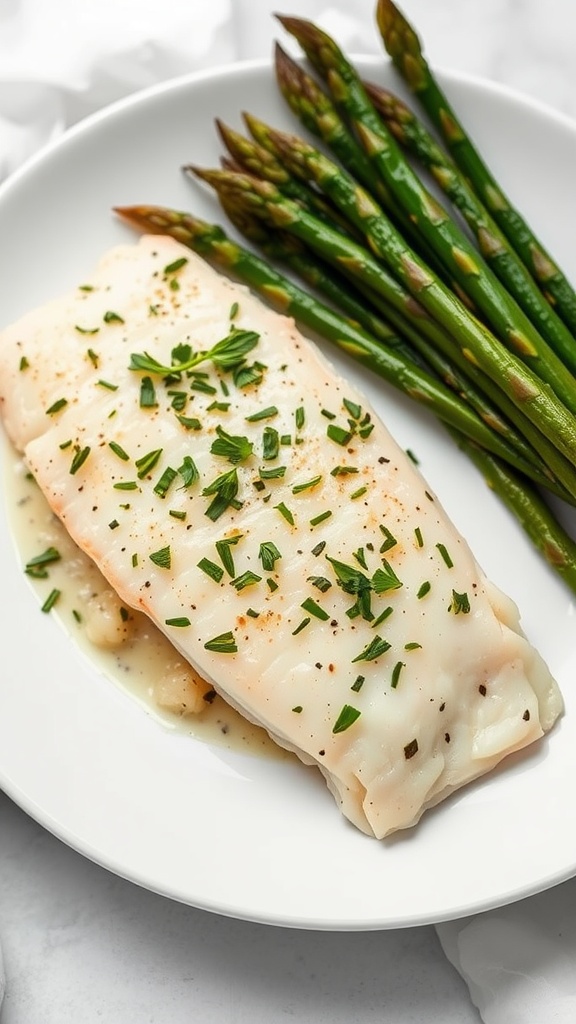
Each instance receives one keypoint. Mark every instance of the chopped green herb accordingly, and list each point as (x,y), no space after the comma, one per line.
(211,569)
(162,486)
(285,512)
(243,375)
(86,330)
(302,625)
(179,621)
(201,385)
(413,646)
(418,535)
(147,462)
(385,579)
(320,582)
(162,558)
(274,473)
(338,434)
(247,579)
(222,644)
(286,439)
(268,555)
(411,456)
(329,415)
(358,684)
(51,600)
(299,417)
(424,589)
(119,451)
(307,486)
(93,357)
(460,603)
(351,407)
(346,718)
(218,407)
(316,520)
(148,398)
(224,488)
(24,364)
(389,539)
(253,614)
(233,447)
(310,605)
(126,485)
(188,471)
(177,513)
(298,709)
(360,558)
(134,560)
(373,650)
(223,549)
(358,493)
(179,400)
(270,444)
(233,311)
(190,422)
(57,406)
(343,470)
(396,674)
(36,567)
(445,555)
(382,617)
(272,585)
(79,459)
(365,432)
(319,548)
(176,265)
(112,318)
(264,414)
(106,384)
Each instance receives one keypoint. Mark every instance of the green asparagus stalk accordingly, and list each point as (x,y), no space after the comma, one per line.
(404,47)
(536,400)
(535,517)
(442,234)
(212,242)
(415,138)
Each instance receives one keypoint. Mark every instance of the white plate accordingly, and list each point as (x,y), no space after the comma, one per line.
(244,836)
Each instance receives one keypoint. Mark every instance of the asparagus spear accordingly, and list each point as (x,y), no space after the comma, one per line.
(212,242)
(404,47)
(442,234)
(425,337)
(538,522)
(536,400)
(415,138)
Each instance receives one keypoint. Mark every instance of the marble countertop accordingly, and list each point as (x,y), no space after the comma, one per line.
(81,944)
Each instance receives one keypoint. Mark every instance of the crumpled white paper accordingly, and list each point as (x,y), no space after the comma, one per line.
(60,60)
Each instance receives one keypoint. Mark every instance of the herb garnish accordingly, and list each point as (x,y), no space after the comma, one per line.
(224,488)
(225,355)
(211,569)
(247,579)
(310,605)
(346,718)
(79,458)
(268,555)
(373,650)
(36,567)
(162,558)
(223,549)
(222,644)
(147,462)
(460,603)
(233,447)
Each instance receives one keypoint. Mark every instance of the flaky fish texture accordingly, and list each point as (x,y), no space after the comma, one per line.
(263,517)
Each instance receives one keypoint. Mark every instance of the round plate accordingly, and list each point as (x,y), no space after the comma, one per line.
(245,836)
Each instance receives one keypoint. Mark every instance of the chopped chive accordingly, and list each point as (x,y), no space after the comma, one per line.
(36,567)
(223,549)
(147,462)
(360,558)
(247,579)
(413,646)
(134,560)
(320,518)
(460,603)
(373,650)
(176,265)
(179,400)
(445,555)
(268,555)
(329,415)
(126,485)
(215,572)
(365,432)
(270,444)
(310,605)
(338,434)
(233,447)
(252,614)
(148,398)
(179,621)
(272,585)
(222,644)
(302,625)
(162,558)
(382,617)
(79,459)
(93,357)
(190,422)
(320,582)
(418,535)
(358,493)
(57,406)
(275,473)
(177,513)
(389,539)
(24,364)
(119,451)
(107,385)
(112,318)
(358,684)
(299,417)
(264,414)
(352,407)
(86,330)
(396,674)
(343,470)
(424,589)
(319,548)
(307,486)
(113,525)
(285,512)
(162,486)
(286,439)
(218,407)
(51,600)
(346,718)
(233,311)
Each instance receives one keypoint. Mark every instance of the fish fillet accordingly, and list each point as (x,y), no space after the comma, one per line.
(267,522)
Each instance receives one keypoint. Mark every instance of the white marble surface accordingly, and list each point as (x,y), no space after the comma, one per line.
(82,945)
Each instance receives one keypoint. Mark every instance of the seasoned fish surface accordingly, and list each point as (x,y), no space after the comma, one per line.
(260,513)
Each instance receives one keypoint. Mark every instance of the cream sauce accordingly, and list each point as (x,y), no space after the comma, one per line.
(122,643)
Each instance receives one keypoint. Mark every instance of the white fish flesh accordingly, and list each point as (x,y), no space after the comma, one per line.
(266,521)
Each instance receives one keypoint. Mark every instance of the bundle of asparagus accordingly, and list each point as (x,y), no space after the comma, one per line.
(479,331)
